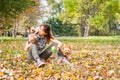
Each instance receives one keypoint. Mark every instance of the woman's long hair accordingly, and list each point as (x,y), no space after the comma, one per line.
(47,29)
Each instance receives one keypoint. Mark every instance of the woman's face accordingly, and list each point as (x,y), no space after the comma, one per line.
(42,31)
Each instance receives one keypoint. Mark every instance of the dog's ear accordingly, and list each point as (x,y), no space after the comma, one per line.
(69,47)
(64,45)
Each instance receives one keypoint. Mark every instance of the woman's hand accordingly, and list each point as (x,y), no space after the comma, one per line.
(59,44)
(27,46)
(58,48)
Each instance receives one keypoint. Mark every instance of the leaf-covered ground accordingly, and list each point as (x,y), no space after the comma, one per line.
(92,61)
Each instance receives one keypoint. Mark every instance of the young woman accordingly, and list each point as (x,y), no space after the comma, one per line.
(44,37)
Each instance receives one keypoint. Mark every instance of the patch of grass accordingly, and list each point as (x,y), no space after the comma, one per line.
(12,39)
(111,39)
(94,39)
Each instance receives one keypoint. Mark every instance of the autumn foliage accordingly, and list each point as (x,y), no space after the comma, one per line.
(92,61)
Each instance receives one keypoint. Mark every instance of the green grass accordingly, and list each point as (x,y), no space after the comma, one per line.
(12,39)
(94,39)
(100,39)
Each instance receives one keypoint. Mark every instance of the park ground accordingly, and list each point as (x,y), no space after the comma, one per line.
(94,58)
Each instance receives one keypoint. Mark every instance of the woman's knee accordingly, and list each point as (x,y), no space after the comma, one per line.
(45,55)
(33,46)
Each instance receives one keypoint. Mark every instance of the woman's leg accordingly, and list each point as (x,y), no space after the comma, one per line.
(34,55)
(33,52)
(29,56)
(48,50)
(47,53)
(61,56)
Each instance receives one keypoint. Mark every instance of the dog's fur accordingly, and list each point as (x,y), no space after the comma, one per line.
(67,51)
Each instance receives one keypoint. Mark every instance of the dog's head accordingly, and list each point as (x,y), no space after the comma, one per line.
(67,50)
(32,38)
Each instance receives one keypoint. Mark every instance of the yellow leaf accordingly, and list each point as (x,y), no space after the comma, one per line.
(24,57)
(1,74)
(30,79)
(73,60)
(86,63)
(49,65)
(68,74)
(57,74)
(64,77)
(37,71)
(90,79)
(84,51)
(21,78)
(48,72)
(40,70)
(73,77)
(92,69)
(104,64)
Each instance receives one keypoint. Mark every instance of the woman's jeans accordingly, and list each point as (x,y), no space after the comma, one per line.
(34,53)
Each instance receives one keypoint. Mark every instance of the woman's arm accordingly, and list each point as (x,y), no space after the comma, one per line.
(59,44)
(27,46)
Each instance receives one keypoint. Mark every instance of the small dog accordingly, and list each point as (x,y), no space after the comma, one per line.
(32,38)
(67,51)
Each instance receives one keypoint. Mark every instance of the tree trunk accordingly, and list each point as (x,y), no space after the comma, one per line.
(86,31)
(14,32)
(15,29)
(84,28)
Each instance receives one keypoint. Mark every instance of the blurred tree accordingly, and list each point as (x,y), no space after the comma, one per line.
(91,14)
(60,29)
(11,10)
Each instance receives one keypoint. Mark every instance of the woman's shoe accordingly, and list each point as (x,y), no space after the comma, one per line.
(40,63)
(65,60)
